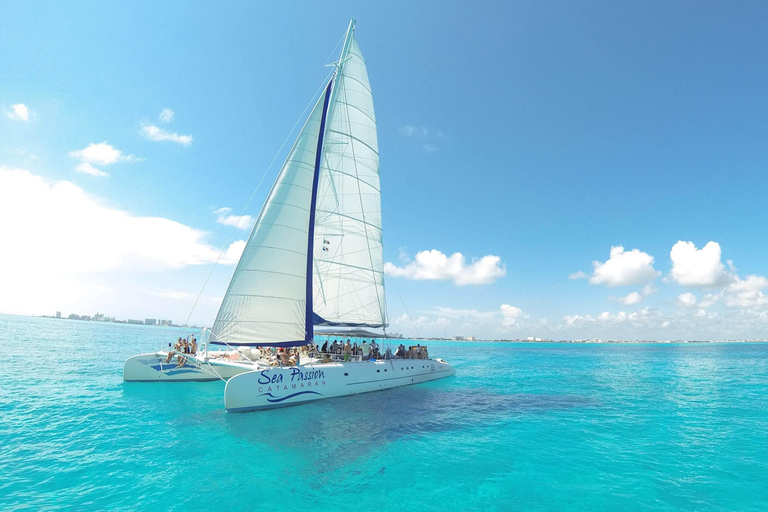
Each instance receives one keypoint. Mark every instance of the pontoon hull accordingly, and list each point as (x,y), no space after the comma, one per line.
(153,368)
(280,387)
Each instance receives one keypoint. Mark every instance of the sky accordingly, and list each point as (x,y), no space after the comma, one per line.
(561,170)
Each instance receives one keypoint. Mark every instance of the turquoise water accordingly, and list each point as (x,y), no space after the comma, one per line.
(521,426)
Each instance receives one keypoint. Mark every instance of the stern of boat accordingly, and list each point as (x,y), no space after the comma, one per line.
(153,368)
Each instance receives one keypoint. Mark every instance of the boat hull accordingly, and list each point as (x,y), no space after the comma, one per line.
(153,368)
(280,387)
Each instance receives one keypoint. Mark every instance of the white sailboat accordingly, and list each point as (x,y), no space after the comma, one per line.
(313,258)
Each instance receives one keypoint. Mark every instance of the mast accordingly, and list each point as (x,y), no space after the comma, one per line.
(330,90)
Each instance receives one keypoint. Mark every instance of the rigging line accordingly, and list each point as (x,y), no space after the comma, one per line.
(258,185)
(337,45)
(392,280)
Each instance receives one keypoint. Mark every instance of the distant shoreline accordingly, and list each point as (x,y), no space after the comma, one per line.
(592,341)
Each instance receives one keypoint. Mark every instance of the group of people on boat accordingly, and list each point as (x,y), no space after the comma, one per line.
(413,352)
(182,346)
(291,356)
(349,349)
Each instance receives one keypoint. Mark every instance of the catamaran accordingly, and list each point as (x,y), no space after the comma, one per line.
(314,258)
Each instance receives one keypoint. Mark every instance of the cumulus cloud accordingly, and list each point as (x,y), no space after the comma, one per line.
(687,300)
(224,216)
(434,265)
(639,318)
(699,267)
(87,235)
(510,315)
(709,299)
(166,115)
(18,112)
(99,154)
(155,133)
(578,275)
(624,268)
(746,293)
(630,300)
(87,168)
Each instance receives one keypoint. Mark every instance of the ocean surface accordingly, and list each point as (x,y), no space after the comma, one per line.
(531,426)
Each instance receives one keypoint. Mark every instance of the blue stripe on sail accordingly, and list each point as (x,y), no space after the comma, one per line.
(318,320)
(297,343)
(309,324)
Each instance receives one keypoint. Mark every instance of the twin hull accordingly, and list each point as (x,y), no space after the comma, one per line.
(279,387)
(153,368)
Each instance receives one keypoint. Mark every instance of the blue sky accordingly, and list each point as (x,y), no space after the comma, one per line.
(541,133)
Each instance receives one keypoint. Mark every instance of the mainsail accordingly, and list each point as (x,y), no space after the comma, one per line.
(349,266)
(314,256)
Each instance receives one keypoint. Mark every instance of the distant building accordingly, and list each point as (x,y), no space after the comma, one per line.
(58,314)
(135,322)
(87,318)
(471,338)
(150,321)
(74,317)
(98,317)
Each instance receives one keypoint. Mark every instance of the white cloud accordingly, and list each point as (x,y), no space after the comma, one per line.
(510,315)
(630,300)
(624,268)
(434,265)
(89,236)
(166,115)
(750,284)
(709,299)
(99,154)
(152,132)
(102,154)
(578,275)
(465,314)
(429,148)
(699,267)
(746,293)
(637,319)
(18,112)
(687,300)
(87,168)
(410,130)
(225,217)
(649,289)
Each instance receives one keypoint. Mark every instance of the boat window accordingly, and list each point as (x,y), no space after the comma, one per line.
(346,374)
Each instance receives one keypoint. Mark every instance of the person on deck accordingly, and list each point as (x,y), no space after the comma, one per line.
(325,347)
(193,347)
(366,350)
(347,350)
